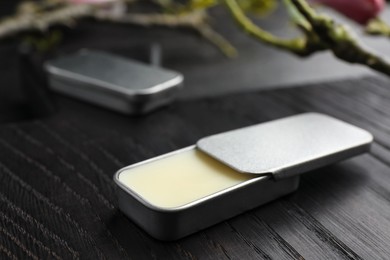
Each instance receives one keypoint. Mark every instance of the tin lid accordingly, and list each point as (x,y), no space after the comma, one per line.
(112,73)
(288,146)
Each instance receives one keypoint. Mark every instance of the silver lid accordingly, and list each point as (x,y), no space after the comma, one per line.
(112,73)
(287,146)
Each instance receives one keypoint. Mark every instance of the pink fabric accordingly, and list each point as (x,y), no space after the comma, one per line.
(360,11)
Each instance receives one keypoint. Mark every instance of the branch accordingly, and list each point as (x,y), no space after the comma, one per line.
(340,41)
(378,27)
(195,20)
(34,16)
(168,20)
(298,46)
(218,40)
(36,21)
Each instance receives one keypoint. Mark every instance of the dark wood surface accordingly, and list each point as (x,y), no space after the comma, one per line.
(56,191)
(57,195)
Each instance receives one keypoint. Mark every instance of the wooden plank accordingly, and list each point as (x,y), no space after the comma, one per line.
(55,179)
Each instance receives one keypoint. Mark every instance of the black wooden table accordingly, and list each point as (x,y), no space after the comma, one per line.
(57,196)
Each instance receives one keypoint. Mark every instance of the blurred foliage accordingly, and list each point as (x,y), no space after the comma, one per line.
(318,32)
(295,15)
(256,7)
(260,8)
(44,42)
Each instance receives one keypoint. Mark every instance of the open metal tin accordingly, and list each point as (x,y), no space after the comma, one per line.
(113,82)
(270,157)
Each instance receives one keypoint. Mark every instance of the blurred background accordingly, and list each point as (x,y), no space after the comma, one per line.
(207,72)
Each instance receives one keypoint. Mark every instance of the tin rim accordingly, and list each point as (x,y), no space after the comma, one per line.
(148,204)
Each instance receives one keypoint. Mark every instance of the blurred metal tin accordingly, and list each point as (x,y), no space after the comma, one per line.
(340,141)
(113,82)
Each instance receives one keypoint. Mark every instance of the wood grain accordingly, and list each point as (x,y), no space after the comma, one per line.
(58,199)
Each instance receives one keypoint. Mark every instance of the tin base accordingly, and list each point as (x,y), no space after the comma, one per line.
(171,223)
(131,105)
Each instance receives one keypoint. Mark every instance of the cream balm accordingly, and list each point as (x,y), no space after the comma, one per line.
(179,193)
(190,173)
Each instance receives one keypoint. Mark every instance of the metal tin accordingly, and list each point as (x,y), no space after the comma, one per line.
(174,223)
(267,185)
(113,82)
(287,146)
